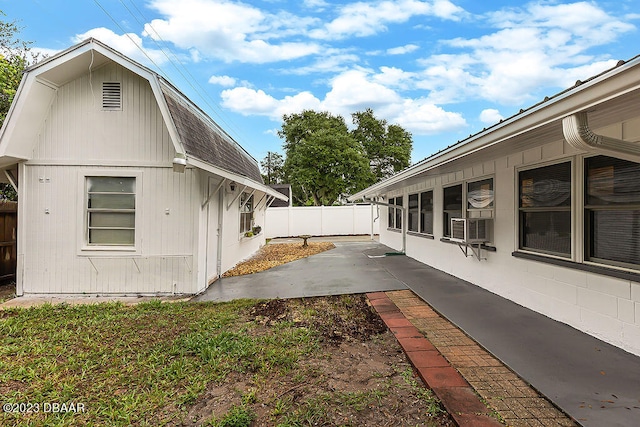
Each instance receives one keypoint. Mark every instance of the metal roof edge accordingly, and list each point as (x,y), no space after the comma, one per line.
(240,179)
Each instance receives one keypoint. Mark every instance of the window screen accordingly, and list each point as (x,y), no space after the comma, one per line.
(612,211)
(545,209)
(111,207)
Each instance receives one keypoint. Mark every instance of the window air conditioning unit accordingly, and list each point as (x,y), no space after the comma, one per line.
(470,230)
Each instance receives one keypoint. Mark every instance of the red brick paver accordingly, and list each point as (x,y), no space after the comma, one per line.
(460,372)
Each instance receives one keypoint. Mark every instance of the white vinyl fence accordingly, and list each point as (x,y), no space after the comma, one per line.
(321,221)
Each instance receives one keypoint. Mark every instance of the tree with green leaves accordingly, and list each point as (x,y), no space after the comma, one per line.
(323,160)
(388,147)
(272,168)
(13,60)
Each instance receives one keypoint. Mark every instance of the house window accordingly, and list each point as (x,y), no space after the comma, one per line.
(612,211)
(421,212)
(394,219)
(545,209)
(111,210)
(246,213)
(452,207)
(480,198)
(111,96)
(414,209)
(426,212)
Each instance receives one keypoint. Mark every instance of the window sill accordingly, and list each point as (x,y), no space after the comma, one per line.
(590,268)
(395,230)
(243,237)
(424,236)
(483,246)
(107,250)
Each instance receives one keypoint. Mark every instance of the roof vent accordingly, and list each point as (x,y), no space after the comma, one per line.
(111,96)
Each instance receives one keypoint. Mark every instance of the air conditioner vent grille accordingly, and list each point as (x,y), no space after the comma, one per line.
(470,230)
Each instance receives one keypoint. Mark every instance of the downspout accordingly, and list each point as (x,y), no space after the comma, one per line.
(578,134)
(220,231)
(403,251)
(374,219)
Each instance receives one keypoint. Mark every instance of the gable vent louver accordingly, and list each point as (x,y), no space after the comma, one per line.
(111,96)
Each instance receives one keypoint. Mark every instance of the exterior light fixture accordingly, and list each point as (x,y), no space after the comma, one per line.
(179,163)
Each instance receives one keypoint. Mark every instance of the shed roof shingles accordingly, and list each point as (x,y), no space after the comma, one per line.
(202,141)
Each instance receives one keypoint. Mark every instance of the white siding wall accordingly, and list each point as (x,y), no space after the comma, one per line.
(235,246)
(77,137)
(320,221)
(605,307)
(53,227)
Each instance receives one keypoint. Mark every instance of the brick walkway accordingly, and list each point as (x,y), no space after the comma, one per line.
(459,371)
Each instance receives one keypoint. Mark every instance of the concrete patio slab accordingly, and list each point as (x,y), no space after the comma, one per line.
(347,269)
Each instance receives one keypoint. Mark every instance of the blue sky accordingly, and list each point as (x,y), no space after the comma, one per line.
(442,69)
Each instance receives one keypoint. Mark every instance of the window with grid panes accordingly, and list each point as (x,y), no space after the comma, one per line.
(246,213)
(111,211)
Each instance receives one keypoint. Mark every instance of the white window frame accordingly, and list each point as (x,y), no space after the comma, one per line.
(420,230)
(467,212)
(393,209)
(241,212)
(83,233)
(488,212)
(447,223)
(580,217)
(575,234)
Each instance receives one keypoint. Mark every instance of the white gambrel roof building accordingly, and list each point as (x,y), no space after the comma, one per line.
(124,185)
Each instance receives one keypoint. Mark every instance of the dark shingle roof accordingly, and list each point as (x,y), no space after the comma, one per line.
(284,189)
(203,140)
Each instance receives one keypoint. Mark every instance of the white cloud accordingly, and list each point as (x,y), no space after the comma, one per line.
(351,91)
(401,50)
(422,117)
(539,46)
(225,81)
(363,19)
(129,44)
(248,102)
(490,116)
(230,31)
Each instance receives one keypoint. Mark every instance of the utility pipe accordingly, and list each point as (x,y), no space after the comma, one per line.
(404,222)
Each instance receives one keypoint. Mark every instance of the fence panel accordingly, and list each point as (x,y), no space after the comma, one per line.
(320,221)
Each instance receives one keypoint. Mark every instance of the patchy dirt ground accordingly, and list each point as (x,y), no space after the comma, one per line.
(7,291)
(358,377)
(276,254)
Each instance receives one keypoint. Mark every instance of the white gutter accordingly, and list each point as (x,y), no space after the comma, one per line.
(578,134)
(234,177)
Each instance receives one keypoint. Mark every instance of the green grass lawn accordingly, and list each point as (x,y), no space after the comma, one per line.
(131,365)
(158,364)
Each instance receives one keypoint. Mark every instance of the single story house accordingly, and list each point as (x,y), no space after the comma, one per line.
(125,187)
(543,208)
